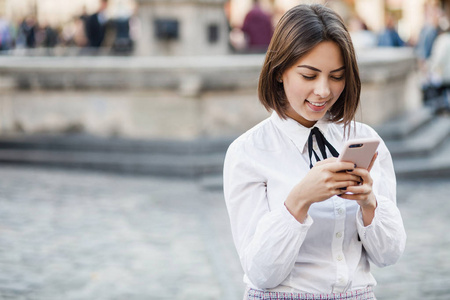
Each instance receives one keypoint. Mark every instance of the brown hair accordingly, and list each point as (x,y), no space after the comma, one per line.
(299,31)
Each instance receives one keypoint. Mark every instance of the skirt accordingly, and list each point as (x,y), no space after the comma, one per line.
(363,294)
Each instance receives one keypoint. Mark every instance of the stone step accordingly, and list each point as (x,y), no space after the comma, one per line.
(89,143)
(431,166)
(436,165)
(188,158)
(423,141)
(186,165)
(423,152)
(414,154)
(212,182)
(406,124)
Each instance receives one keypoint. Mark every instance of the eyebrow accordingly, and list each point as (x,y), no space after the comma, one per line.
(317,70)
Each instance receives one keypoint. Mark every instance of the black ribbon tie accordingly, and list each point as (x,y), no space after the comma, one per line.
(322,143)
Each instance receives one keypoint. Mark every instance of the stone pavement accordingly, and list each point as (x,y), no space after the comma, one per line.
(92,235)
(85,235)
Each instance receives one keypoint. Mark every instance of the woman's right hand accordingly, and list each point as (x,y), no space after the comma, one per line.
(326,179)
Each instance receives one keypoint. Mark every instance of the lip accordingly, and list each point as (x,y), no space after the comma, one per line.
(317,108)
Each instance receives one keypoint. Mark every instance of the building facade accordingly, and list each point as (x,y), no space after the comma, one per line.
(410,14)
(56,12)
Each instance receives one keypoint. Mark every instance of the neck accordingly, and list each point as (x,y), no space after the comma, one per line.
(301,120)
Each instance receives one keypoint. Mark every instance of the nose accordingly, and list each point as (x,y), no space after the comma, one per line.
(322,89)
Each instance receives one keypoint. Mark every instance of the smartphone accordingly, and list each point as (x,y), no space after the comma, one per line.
(359,151)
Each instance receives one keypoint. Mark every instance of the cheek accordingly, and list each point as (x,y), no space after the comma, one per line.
(296,91)
(295,97)
(339,89)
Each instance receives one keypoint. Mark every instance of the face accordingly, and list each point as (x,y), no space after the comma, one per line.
(314,83)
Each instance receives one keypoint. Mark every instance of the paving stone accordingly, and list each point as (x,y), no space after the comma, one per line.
(423,272)
(87,235)
(82,235)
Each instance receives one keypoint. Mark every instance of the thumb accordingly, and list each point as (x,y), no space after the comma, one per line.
(373,161)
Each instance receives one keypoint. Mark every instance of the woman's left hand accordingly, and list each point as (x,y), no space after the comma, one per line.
(363,193)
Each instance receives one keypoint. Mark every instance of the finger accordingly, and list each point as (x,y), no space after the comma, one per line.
(355,197)
(345,185)
(326,161)
(363,173)
(341,166)
(344,176)
(372,161)
(359,189)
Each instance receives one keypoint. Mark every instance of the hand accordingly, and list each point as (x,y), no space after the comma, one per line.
(326,179)
(363,193)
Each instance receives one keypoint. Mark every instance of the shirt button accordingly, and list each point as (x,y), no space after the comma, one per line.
(340,211)
(341,280)
(339,235)
(339,257)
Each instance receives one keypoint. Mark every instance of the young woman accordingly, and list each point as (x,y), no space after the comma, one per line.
(305,225)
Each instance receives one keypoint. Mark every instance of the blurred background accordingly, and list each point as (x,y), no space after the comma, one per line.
(114,121)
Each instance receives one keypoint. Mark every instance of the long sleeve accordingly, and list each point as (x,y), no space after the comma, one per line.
(384,239)
(323,254)
(439,61)
(267,241)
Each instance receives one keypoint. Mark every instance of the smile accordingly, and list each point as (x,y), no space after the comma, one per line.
(317,104)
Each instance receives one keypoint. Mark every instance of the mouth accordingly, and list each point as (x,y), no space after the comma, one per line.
(316,106)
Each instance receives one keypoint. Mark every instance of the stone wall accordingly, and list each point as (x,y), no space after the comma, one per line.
(182,27)
(178,97)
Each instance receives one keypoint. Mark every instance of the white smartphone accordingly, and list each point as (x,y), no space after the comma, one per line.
(359,151)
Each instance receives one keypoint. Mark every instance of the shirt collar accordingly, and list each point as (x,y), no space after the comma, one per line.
(296,132)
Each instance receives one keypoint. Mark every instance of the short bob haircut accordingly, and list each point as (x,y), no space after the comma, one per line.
(298,32)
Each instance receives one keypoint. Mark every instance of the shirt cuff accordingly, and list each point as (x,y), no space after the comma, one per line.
(380,214)
(359,218)
(292,221)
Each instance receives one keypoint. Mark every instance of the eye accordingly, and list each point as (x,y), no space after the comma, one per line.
(338,78)
(309,77)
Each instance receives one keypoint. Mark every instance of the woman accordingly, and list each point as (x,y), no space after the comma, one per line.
(306,226)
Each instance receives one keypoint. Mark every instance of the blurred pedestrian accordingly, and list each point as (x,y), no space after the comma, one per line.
(81,25)
(79,32)
(257,28)
(28,29)
(428,33)
(306,226)
(96,26)
(84,16)
(362,37)
(438,89)
(50,36)
(423,48)
(389,36)
(135,27)
(6,39)
(440,57)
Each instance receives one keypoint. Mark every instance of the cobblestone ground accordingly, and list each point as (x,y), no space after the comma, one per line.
(424,270)
(86,235)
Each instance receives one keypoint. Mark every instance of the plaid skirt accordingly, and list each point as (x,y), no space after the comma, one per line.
(363,294)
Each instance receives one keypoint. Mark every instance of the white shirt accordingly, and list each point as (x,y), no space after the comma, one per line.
(330,251)
(440,60)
